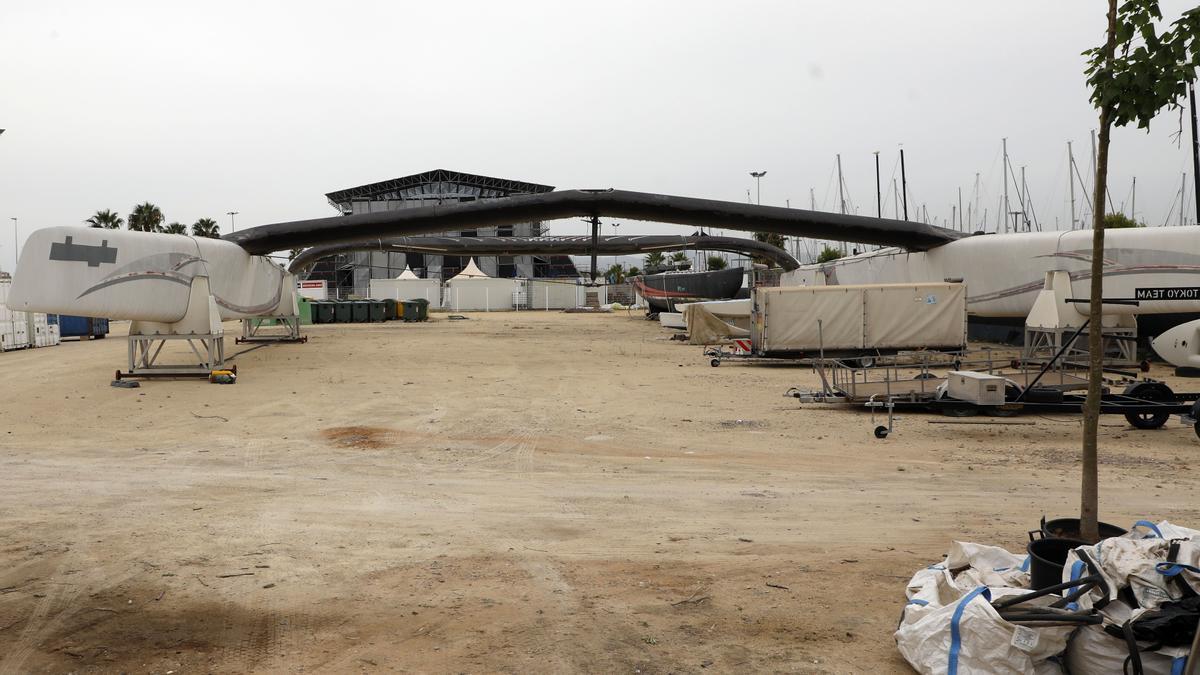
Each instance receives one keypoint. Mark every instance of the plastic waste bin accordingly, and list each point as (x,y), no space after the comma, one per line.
(378,310)
(342,312)
(389,309)
(422,309)
(361,311)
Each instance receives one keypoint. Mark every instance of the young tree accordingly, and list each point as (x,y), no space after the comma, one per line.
(1117,221)
(716,262)
(106,220)
(828,254)
(1134,75)
(632,272)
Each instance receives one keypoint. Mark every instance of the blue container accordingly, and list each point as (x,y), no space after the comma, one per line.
(82,327)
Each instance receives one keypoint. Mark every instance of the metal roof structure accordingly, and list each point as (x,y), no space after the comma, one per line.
(436,184)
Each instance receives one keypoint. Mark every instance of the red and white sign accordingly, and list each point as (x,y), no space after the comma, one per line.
(313,290)
(742,346)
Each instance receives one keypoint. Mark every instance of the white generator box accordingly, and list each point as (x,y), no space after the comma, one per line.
(977,388)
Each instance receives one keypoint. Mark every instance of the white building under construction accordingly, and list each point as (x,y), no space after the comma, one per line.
(353,272)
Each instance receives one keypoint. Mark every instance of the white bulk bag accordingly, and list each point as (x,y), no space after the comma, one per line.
(967,635)
(1092,651)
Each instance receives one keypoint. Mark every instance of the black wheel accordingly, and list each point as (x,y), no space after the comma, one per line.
(714,363)
(1196,428)
(1149,391)
(866,362)
(882,431)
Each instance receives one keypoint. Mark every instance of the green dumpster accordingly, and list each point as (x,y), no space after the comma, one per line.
(378,310)
(306,313)
(361,311)
(422,309)
(389,309)
(323,312)
(342,312)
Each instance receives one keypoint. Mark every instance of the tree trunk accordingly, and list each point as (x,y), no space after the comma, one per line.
(1089,492)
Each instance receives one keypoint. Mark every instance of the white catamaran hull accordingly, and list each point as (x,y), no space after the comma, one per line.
(1158,266)
(143,276)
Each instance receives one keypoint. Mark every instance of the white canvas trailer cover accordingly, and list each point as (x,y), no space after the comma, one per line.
(859,318)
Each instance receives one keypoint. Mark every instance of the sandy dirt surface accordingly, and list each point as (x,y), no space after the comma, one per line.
(512,493)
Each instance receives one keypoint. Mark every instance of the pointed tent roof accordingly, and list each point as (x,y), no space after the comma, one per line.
(408,274)
(471,271)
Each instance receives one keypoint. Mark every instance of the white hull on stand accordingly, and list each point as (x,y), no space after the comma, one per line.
(1158,266)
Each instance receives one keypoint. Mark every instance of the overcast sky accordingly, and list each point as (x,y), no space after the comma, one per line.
(261,108)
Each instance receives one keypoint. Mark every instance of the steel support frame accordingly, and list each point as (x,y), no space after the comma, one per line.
(253,330)
(145,350)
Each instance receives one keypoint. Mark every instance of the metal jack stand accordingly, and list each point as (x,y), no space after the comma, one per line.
(881,432)
(200,328)
(262,329)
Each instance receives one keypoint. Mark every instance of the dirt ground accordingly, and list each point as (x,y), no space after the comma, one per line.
(517,492)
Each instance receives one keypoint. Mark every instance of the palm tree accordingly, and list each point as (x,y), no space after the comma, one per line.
(175,228)
(655,260)
(615,274)
(105,220)
(679,260)
(146,217)
(206,227)
(716,262)
(632,272)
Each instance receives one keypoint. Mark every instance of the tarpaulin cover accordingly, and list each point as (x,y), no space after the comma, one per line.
(916,316)
(808,318)
(705,328)
(866,317)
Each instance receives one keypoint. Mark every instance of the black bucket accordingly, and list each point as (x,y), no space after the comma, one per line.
(1046,559)
(1063,526)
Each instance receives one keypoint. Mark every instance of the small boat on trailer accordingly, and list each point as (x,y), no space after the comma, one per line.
(663,291)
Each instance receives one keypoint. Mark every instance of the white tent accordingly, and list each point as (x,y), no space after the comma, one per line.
(472,290)
(407,286)
(471,271)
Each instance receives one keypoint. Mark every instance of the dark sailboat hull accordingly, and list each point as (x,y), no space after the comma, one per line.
(663,291)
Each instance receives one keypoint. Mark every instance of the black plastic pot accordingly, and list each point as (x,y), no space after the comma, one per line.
(1046,559)
(1062,528)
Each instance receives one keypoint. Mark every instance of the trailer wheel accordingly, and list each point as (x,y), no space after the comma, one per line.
(1196,428)
(882,431)
(714,363)
(1149,391)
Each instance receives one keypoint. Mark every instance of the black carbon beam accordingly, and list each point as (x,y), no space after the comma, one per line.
(588,203)
(575,245)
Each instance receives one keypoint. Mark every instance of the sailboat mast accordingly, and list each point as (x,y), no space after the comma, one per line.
(878,192)
(841,193)
(1004,161)
(1133,206)
(1071,181)
(904,183)
(960,211)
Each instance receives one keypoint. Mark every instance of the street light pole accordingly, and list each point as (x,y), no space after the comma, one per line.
(758,183)
(232,227)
